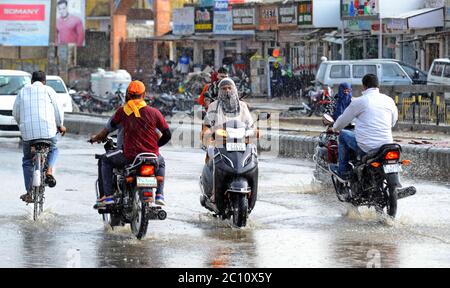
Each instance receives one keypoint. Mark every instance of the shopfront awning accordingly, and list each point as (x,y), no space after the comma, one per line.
(200,37)
(422,18)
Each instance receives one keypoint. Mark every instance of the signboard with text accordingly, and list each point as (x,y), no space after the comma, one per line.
(183,21)
(287,16)
(204,19)
(268,17)
(244,17)
(305,13)
(359,9)
(24,23)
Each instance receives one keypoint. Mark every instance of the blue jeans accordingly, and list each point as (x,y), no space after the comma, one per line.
(347,144)
(27,161)
(116,159)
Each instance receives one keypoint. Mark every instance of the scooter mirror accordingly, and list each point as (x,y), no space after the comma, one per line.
(327,120)
(263,116)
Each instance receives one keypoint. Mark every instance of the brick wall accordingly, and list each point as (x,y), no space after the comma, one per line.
(137,58)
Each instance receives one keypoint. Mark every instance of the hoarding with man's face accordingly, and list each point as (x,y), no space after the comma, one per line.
(70,22)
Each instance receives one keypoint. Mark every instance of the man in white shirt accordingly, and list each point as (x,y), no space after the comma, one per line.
(39,116)
(374,115)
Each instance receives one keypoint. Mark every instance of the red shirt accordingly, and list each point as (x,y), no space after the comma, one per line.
(140,133)
(70,30)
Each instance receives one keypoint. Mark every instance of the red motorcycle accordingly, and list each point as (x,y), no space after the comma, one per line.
(320,102)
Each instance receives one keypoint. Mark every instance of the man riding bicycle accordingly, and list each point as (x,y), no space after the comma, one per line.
(39,116)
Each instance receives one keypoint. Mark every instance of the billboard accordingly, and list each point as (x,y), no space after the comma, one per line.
(305,13)
(25,22)
(183,21)
(360,9)
(70,22)
(204,19)
(223,18)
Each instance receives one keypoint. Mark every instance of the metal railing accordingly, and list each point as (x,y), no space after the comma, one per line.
(423,110)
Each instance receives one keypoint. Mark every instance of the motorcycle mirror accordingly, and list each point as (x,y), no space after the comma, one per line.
(327,120)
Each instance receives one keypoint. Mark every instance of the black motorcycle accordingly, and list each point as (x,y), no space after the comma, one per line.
(134,192)
(374,180)
(229,181)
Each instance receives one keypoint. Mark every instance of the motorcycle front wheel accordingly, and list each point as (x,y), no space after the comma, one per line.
(139,221)
(240,209)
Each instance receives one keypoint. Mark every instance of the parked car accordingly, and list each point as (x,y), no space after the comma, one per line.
(63,93)
(439,74)
(11,82)
(390,72)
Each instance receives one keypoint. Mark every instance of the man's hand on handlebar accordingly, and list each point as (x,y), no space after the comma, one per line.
(62,130)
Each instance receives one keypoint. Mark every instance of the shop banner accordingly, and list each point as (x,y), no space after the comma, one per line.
(183,21)
(359,9)
(244,17)
(204,19)
(287,16)
(25,23)
(223,18)
(268,17)
(305,13)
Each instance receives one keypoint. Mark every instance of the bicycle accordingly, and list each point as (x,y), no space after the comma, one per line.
(40,149)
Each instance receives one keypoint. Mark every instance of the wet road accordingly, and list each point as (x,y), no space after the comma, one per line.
(295,223)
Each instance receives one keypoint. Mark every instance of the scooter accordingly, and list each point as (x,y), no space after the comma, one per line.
(229,182)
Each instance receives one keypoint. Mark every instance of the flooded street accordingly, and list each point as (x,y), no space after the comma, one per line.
(296,223)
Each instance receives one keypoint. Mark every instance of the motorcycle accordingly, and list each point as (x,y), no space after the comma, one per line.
(374,181)
(134,190)
(165,103)
(320,102)
(229,181)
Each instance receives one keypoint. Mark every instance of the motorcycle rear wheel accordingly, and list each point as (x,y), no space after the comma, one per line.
(391,208)
(240,209)
(139,222)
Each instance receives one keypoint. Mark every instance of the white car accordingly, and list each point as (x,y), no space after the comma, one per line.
(11,82)
(63,94)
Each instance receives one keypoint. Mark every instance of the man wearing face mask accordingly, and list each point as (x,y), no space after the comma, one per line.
(226,108)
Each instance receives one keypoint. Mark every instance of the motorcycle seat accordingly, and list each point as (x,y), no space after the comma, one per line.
(372,154)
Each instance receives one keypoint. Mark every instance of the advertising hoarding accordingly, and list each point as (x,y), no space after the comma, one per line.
(25,22)
(70,22)
(183,21)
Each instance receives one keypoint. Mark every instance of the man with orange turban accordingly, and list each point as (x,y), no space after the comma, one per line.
(140,124)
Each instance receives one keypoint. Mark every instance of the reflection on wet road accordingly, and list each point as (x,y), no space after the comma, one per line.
(296,223)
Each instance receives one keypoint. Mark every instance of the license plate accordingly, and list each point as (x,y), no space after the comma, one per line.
(236,147)
(394,168)
(148,182)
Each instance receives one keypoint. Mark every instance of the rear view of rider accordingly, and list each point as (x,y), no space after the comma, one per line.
(374,115)
(140,124)
(39,116)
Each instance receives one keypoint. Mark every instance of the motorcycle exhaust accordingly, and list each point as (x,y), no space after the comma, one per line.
(406,192)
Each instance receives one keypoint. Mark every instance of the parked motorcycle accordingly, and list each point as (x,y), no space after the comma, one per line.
(374,180)
(320,102)
(165,103)
(229,181)
(134,190)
